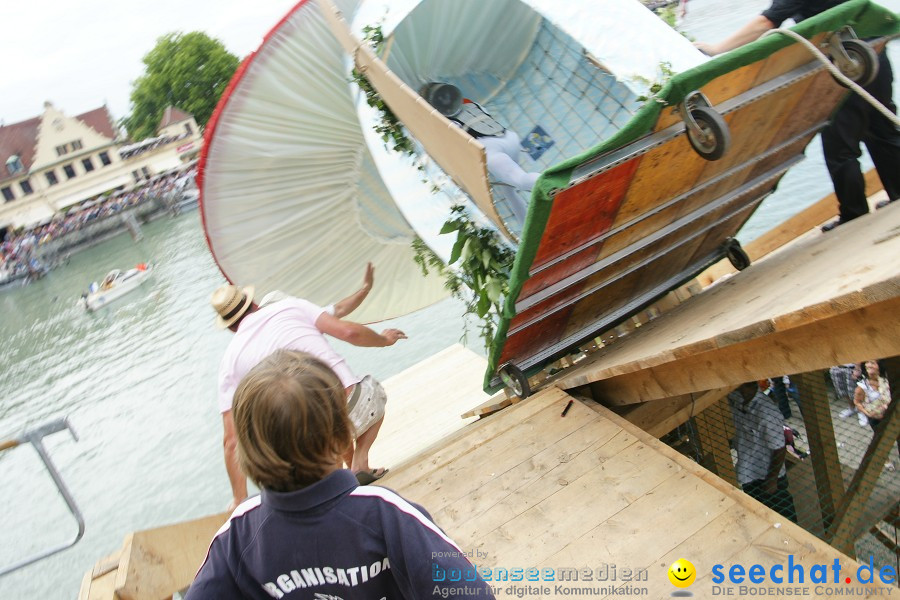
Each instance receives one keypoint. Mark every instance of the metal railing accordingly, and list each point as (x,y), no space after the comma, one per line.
(35,437)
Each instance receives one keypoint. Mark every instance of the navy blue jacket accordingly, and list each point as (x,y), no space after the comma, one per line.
(332,540)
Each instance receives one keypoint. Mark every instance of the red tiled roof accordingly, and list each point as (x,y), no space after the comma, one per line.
(18,138)
(100,121)
(173,115)
(21,138)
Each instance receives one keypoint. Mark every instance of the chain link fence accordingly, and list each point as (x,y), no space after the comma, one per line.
(820,448)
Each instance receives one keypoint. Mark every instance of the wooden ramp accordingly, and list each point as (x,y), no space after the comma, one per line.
(824,300)
(527,487)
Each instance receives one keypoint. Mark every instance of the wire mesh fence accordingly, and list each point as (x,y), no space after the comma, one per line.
(819,448)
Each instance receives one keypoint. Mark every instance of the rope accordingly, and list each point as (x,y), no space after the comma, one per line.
(837,74)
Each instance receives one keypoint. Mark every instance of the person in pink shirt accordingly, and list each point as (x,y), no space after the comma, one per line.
(284,322)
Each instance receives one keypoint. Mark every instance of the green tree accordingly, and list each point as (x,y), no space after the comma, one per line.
(186,70)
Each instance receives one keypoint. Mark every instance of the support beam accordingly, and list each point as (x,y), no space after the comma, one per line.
(822,446)
(714,428)
(845,524)
(847,337)
(662,416)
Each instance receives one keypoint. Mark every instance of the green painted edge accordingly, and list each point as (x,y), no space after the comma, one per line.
(867,19)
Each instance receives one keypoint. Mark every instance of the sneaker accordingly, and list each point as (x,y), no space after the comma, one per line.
(863,419)
(834,224)
(847,412)
(884,203)
(889,466)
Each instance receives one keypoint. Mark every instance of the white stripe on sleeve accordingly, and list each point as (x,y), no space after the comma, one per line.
(404,506)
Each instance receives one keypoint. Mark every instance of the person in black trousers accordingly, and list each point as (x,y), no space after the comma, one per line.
(855,122)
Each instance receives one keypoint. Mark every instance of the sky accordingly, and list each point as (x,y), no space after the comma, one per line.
(83,54)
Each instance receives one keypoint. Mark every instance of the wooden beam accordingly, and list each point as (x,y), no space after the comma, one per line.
(713,426)
(156,563)
(789,230)
(498,401)
(860,488)
(847,337)
(659,417)
(823,453)
(887,542)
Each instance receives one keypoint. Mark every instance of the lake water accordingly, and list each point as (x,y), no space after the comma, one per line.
(138,379)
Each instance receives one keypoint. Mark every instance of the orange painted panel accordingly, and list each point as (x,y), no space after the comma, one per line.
(584,211)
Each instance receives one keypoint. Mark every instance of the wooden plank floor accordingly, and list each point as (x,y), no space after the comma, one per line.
(529,488)
(413,419)
(823,300)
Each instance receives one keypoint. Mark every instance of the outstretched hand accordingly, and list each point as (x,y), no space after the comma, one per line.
(392,335)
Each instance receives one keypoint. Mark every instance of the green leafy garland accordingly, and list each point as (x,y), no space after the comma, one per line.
(665,68)
(390,128)
(484,262)
(480,259)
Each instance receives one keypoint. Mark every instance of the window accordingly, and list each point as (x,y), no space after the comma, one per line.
(51,178)
(136,175)
(146,172)
(70,147)
(88,164)
(104,158)
(8,194)
(26,187)
(187,127)
(69,170)
(14,165)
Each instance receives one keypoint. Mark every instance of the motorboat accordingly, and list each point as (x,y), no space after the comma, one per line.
(116,284)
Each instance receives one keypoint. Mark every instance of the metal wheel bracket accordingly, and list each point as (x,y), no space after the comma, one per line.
(711,138)
(834,47)
(853,57)
(690,102)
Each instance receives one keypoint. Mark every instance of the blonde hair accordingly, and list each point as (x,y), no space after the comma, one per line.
(290,415)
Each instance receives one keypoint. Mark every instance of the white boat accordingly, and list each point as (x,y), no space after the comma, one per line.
(187,200)
(115,285)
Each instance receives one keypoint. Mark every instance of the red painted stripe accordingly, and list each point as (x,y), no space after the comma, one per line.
(579,214)
(210,131)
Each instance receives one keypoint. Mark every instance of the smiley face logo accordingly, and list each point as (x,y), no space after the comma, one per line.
(682,573)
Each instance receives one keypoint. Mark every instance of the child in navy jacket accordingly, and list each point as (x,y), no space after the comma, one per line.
(313,532)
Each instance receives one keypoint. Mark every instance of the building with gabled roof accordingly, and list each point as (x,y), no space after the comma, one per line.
(52,162)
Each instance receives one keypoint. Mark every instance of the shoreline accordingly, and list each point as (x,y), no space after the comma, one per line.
(57,252)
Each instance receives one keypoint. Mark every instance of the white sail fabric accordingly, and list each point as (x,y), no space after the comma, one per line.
(291,198)
(456,36)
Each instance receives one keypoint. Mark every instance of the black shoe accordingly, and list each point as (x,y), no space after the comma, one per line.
(884,203)
(829,226)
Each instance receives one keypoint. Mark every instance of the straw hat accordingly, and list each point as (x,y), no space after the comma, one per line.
(231,303)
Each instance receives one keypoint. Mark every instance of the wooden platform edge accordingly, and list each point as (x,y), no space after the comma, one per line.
(498,401)
(779,236)
(713,480)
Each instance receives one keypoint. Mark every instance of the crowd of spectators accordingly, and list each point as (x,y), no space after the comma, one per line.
(150,144)
(19,250)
